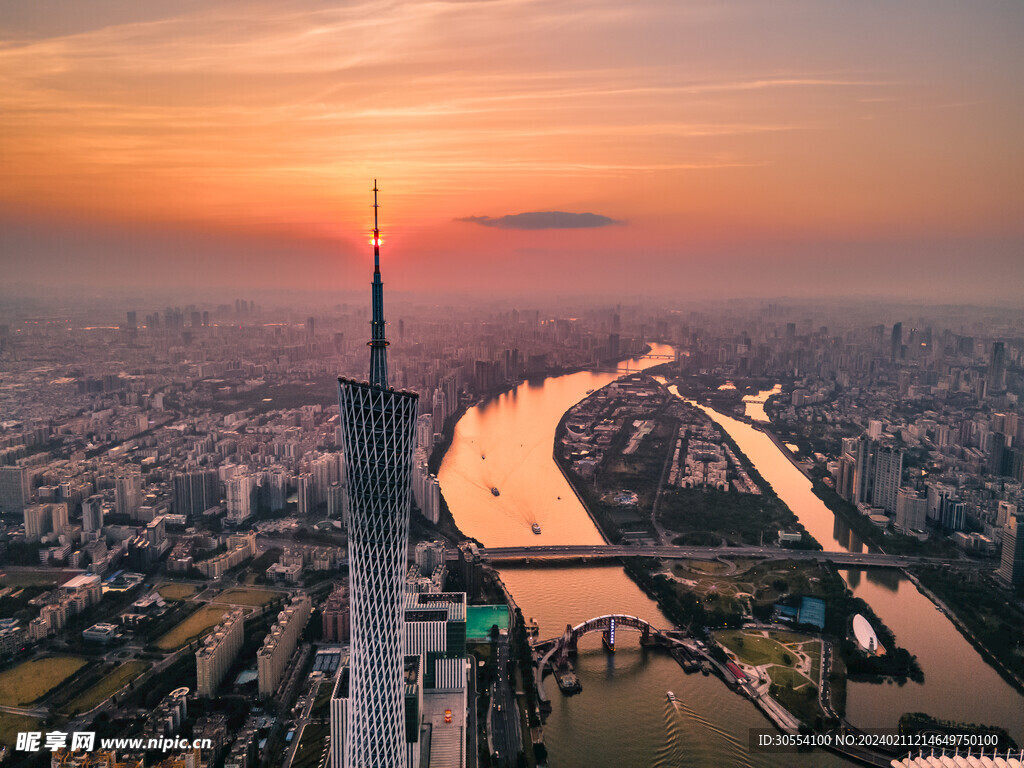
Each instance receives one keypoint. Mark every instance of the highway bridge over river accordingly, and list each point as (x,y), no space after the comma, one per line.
(605,551)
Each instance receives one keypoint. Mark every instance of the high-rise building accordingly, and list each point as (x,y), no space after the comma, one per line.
(426,490)
(339,714)
(92,515)
(435,628)
(1011,565)
(241,497)
(439,408)
(41,519)
(997,368)
(272,492)
(336,617)
(997,454)
(1004,511)
(863,471)
(910,511)
(429,555)
(436,632)
(58,516)
(888,472)
(37,522)
(337,503)
(15,489)
(425,431)
(195,492)
(215,657)
(304,493)
(278,645)
(378,430)
(897,341)
(952,514)
(128,490)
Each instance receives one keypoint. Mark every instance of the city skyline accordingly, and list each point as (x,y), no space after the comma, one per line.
(193,456)
(699,149)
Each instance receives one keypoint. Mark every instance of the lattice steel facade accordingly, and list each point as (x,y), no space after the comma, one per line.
(378,428)
(378,433)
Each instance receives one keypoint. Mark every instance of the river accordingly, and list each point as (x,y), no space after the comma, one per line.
(945,656)
(622,717)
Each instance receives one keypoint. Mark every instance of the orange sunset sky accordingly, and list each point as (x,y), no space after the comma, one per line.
(719,148)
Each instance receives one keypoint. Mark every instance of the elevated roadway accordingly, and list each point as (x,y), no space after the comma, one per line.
(586,551)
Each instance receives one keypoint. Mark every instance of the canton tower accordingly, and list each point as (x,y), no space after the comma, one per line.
(378,430)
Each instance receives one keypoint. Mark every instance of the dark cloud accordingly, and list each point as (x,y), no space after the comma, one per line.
(543,220)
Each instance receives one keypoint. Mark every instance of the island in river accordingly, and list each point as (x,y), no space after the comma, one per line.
(651,468)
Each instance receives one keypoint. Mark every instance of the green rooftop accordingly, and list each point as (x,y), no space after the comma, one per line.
(480,619)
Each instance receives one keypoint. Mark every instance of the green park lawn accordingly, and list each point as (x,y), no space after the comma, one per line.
(786,677)
(10,725)
(196,625)
(31,680)
(754,650)
(172,591)
(105,688)
(27,579)
(247,596)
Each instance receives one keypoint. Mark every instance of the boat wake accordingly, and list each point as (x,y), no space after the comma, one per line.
(693,741)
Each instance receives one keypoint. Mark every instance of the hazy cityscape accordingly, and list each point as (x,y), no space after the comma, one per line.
(680,425)
(176,518)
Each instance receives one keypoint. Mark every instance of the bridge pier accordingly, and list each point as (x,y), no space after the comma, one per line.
(566,645)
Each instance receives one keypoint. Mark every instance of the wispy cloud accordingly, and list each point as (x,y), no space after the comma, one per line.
(543,220)
(238,110)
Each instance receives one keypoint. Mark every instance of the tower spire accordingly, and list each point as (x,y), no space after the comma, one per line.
(376,231)
(378,343)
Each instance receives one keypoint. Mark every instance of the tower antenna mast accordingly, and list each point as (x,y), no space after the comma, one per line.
(378,343)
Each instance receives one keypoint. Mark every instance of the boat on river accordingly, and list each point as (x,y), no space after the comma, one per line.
(495,491)
(536,528)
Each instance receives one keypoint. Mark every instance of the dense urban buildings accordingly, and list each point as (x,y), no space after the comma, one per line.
(217,460)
